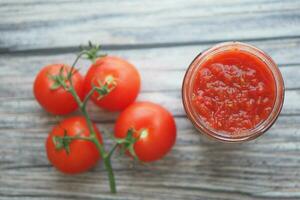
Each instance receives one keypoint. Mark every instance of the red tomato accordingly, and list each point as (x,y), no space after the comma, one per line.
(83,154)
(56,101)
(159,125)
(127,80)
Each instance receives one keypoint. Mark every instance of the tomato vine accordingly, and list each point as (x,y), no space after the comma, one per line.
(91,52)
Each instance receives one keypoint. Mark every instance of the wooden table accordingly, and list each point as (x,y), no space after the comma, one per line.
(161,38)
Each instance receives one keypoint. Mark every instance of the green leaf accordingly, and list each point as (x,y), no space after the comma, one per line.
(119,140)
(59,80)
(57,142)
(91,51)
(61,70)
(132,152)
(127,143)
(55,86)
(62,143)
(106,87)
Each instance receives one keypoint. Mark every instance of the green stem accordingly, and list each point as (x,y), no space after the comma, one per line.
(108,167)
(111,176)
(93,137)
(77,58)
(113,150)
(92,54)
(76,97)
(87,97)
(77,138)
(73,65)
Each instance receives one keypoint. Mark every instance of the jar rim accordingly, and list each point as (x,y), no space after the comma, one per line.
(248,134)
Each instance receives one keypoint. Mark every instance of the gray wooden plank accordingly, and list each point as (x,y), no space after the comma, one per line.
(53,24)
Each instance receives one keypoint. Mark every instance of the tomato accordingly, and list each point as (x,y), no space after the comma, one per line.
(56,101)
(82,155)
(126,82)
(156,129)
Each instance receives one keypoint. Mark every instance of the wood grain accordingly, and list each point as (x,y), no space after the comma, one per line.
(34,24)
(196,168)
(160,38)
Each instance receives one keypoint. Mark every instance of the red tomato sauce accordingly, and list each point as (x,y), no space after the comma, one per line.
(233,91)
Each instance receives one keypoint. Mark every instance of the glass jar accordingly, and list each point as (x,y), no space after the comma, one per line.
(202,126)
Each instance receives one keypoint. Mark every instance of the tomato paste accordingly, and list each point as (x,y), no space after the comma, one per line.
(233,91)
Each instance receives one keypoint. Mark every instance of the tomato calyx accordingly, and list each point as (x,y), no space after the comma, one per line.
(91,52)
(63,142)
(127,144)
(59,80)
(105,88)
